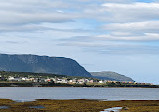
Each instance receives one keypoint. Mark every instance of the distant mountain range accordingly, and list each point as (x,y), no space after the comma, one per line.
(53,65)
(42,64)
(113,76)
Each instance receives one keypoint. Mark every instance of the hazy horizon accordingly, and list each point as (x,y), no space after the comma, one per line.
(106,35)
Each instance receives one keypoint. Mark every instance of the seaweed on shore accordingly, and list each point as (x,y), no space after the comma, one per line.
(81,105)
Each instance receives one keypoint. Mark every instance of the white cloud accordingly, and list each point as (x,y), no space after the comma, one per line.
(46,11)
(33,11)
(27,18)
(125,37)
(131,12)
(124,20)
(146,26)
(39,11)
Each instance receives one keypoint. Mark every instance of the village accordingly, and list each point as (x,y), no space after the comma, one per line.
(62,80)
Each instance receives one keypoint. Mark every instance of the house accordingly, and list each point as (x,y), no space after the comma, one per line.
(101,82)
(61,81)
(14,79)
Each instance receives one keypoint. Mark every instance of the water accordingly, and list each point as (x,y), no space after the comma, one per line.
(4,107)
(32,93)
(114,109)
(37,107)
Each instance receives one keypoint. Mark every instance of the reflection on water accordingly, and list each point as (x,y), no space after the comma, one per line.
(31,93)
(4,107)
(37,107)
(114,109)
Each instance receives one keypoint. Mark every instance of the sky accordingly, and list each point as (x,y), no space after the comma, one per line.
(101,35)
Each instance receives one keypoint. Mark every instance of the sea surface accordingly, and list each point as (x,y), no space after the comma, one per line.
(31,93)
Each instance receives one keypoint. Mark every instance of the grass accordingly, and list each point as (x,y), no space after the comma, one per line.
(79,105)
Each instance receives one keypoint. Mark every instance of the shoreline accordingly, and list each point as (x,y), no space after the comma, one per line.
(69,87)
(78,105)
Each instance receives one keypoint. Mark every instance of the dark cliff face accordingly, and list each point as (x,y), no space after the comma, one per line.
(113,76)
(41,64)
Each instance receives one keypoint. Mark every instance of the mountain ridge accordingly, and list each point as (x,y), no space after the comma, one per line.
(113,76)
(41,64)
(53,65)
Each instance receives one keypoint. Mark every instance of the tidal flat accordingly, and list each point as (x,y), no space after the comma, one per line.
(80,105)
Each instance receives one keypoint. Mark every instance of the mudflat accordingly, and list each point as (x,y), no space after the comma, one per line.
(82,105)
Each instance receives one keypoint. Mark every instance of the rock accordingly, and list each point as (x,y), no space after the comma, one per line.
(125,108)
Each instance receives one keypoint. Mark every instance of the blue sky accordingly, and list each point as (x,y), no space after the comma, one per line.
(105,35)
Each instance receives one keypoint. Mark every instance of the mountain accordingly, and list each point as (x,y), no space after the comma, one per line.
(113,76)
(42,64)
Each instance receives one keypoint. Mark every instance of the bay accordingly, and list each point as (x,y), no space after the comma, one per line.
(32,93)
